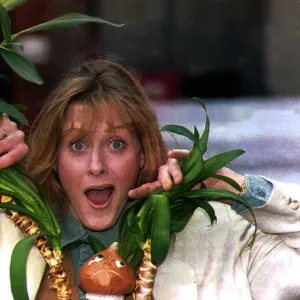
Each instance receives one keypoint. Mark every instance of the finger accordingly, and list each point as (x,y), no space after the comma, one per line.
(8,126)
(3,134)
(175,170)
(13,156)
(165,177)
(179,154)
(144,190)
(12,141)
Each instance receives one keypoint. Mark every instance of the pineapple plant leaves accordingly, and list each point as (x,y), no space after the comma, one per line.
(5,24)
(215,163)
(22,66)
(178,204)
(181,214)
(11,4)
(208,209)
(181,130)
(160,228)
(96,244)
(227,180)
(68,20)
(13,111)
(165,212)
(33,215)
(18,267)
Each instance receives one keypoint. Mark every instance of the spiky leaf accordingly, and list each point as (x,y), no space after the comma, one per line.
(5,24)
(181,130)
(21,65)
(181,215)
(228,180)
(18,263)
(215,163)
(96,244)
(68,20)
(12,112)
(11,4)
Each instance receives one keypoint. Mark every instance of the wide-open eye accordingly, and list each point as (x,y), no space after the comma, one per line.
(77,146)
(117,145)
(119,264)
(99,257)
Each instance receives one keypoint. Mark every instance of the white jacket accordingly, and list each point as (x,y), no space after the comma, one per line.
(211,262)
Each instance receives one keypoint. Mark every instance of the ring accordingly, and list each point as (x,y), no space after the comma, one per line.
(4,135)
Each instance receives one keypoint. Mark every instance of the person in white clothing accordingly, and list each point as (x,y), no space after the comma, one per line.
(103,135)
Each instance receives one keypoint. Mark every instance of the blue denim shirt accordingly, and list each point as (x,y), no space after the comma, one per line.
(257,194)
(73,236)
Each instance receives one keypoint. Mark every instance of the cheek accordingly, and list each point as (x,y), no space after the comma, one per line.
(126,170)
(68,171)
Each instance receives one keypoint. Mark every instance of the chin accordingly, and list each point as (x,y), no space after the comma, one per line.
(99,226)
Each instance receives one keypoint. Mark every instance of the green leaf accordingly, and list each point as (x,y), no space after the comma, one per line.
(96,244)
(144,215)
(12,112)
(18,264)
(196,133)
(5,24)
(22,210)
(208,209)
(11,4)
(204,137)
(228,180)
(128,245)
(132,237)
(136,258)
(215,193)
(41,193)
(214,163)
(197,195)
(11,45)
(21,65)
(160,228)
(20,107)
(181,215)
(125,213)
(68,20)
(181,130)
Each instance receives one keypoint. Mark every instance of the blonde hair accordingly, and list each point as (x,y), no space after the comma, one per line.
(93,83)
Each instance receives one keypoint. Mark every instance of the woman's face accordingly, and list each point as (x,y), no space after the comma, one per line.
(97,167)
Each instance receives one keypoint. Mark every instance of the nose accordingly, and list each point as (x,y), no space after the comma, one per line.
(97,164)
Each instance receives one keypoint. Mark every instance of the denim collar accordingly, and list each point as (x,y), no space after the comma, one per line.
(73,231)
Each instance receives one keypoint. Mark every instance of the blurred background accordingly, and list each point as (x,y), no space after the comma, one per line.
(240,57)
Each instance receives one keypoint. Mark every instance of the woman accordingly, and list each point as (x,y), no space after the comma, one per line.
(103,141)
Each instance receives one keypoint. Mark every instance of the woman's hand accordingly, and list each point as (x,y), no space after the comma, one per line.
(171,172)
(12,145)
(212,182)
(166,175)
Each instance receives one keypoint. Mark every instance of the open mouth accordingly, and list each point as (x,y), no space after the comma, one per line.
(99,197)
